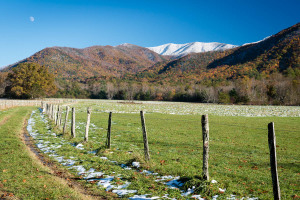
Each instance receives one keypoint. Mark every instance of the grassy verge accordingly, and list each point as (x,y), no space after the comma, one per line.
(21,175)
(239,157)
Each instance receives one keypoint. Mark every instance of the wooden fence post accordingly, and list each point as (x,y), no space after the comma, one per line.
(108,131)
(66,119)
(60,115)
(50,110)
(53,112)
(273,160)
(86,137)
(146,147)
(73,123)
(205,135)
(46,109)
(57,115)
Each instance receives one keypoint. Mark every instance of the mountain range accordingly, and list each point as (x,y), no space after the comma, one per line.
(192,61)
(95,61)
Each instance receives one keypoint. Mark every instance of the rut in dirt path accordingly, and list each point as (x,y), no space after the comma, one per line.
(65,177)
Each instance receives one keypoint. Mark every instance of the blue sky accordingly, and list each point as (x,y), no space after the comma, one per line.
(28,26)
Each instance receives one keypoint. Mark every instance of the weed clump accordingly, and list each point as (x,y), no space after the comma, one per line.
(200,186)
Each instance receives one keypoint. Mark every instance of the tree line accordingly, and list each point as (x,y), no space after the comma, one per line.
(278,89)
(30,80)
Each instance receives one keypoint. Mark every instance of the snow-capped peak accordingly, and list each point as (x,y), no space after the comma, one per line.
(194,47)
(258,41)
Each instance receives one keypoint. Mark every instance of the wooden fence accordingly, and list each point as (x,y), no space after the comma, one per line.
(8,103)
(54,113)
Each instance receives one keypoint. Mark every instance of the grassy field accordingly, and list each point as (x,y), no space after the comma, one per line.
(22,176)
(239,157)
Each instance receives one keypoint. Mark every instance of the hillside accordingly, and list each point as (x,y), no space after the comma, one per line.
(95,61)
(274,54)
(264,72)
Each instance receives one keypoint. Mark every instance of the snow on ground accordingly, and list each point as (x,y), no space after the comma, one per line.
(180,108)
(104,181)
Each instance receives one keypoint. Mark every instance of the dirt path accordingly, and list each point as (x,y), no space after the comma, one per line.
(62,175)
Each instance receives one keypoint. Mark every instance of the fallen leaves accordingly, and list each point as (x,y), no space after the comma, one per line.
(6,195)
(254,167)
(152,187)
(295,196)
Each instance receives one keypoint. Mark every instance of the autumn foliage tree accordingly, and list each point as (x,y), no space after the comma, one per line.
(29,81)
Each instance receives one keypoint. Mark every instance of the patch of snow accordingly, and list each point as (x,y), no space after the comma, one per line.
(135,164)
(143,197)
(94,175)
(125,167)
(215,197)
(105,182)
(68,162)
(124,192)
(194,47)
(197,196)
(222,190)
(79,168)
(214,181)
(188,192)
(148,172)
(92,152)
(79,146)
(175,183)
(59,159)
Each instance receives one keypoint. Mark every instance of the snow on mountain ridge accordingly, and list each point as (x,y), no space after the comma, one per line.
(194,47)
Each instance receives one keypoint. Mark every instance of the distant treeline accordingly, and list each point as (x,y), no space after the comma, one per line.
(278,89)
(30,80)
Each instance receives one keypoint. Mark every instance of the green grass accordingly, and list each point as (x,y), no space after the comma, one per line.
(239,155)
(20,174)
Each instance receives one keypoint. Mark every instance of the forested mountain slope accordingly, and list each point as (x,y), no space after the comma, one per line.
(274,54)
(95,61)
